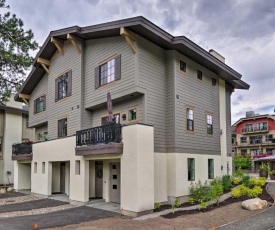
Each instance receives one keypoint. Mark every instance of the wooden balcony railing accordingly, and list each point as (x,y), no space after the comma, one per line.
(99,135)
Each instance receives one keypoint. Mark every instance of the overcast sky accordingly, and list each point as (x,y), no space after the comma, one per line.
(243,31)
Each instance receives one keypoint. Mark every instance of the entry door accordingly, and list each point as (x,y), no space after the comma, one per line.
(115,182)
(99,179)
(62,176)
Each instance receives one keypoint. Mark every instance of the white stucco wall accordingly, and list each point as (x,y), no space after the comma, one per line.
(161,177)
(137,168)
(22,175)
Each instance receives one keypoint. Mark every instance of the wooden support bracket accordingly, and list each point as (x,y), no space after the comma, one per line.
(44,63)
(58,43)
(129,37)
(25,97)
(74,40)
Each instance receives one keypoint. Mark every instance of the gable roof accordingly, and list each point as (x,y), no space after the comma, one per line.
(254,118)
(144,28)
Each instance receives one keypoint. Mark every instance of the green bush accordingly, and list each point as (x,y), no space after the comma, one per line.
(199,192)
(216,180)
(236,193)
(236,180)
(203,205)
(246,181)
(254,192)
(177,203)
(191,201)
(257,182)
(239,173)
(226,182)
(242,162)
(215,192)
(156,205)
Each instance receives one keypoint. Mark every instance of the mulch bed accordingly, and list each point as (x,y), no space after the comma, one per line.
(264,196)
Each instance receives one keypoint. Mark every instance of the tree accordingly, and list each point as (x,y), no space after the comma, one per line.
(15,60)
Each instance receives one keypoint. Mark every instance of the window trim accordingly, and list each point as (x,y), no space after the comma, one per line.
(189,169)
(199,71)
(35,104)
(182,71)
(59,119)
(209,114)
(130,108)
(186,121)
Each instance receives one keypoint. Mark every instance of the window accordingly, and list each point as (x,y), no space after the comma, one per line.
(243,139)
(191,169)
(269,137)
(269,150)
(248,128)
(255,151)
(35,167)
(62,127)
(214,81)
(39,137)
(209,124)
(210,169)
(40,104)
(77,167)
(255,139)
(199,75)
(182,66)
(190,119)
(261,126)
(1,144)
(243,152)
(104,120)
(132,114)
(108,72)
(43,167)
(63,86)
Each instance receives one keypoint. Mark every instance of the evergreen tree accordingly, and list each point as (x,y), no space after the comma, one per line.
(15,60)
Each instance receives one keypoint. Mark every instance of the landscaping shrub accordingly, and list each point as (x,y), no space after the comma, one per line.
(191,201)
(156,205)
(239,173)
(236,193)
(236,180)
(254,192)
(216,180)
(242,162)
(177,203)
(199,192)
(257,182)
(226,182)
(246,181)
(203,205)
(215,192)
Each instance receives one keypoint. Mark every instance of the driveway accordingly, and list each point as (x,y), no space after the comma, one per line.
(263,221)
(55,219)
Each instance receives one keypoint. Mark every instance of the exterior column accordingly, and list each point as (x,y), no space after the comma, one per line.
(137,170)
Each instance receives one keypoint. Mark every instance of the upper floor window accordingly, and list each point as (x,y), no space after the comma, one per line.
(243,139)
(62,127)
(40,104)
(104,120)
(190,119)
(132,114)
(63,86)
(108,71)
(261,126)
(209,124)
(182,66)
(243,152)
(214,81)
(269,137)
(199,75)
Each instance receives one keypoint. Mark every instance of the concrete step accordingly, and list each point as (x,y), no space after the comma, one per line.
(95,201)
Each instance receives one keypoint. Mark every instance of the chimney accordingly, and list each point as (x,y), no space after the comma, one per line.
(217,55)
(249,114)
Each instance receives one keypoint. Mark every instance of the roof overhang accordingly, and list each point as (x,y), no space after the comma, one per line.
(144,28)
(12,109)
(253,118)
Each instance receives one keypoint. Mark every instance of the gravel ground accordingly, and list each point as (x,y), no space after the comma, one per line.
(36,211)
(19,199)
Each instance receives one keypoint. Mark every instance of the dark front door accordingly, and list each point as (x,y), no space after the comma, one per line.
(99,179)
(62,176)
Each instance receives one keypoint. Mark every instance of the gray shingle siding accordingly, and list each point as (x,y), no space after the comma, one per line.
(204,99)
(228,119)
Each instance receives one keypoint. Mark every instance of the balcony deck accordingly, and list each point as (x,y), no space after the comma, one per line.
(99,140)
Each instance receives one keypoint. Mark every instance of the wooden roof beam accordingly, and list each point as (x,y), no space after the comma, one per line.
(129,37)
(24,97)
(44,63)
(74,40)
(58,43)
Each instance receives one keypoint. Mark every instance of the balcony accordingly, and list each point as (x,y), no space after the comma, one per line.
(22,151)
(99,140)
(255,129)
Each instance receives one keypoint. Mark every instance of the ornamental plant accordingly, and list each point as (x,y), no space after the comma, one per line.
(236,180)
(242,162)
(226,182)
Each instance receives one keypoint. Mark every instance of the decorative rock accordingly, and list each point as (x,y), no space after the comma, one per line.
(2,191)
(254,204)
(9,189)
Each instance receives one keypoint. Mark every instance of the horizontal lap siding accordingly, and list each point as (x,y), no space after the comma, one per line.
(204,98)
(40,89)
(71,60)
(98,50)
(228,120)
(121,108)
(152,76)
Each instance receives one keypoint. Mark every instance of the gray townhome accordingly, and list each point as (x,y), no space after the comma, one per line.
(171,106)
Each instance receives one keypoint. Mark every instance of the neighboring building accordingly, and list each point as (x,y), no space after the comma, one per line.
(13,129)
(171,103)
(255,134)
(233,140)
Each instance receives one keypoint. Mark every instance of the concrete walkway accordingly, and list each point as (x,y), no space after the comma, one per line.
(264,220)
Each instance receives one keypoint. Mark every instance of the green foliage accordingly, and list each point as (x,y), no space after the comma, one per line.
(199,192)
(15,46)
(246,181)
(156,205)
(203,205)
(215,192)
(271,172)
(264,167)
(191,200)
(239,173)
(236,180)
(257,182)
(227,182)
(177,203)
(242,162)
(236,193)
(216,180)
